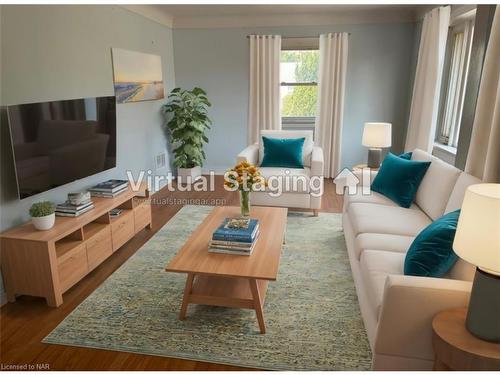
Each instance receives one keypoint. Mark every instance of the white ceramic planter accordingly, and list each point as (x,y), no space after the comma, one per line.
(188,175)
(44,222)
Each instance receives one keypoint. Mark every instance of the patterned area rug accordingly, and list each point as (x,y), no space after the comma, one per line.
(312,316)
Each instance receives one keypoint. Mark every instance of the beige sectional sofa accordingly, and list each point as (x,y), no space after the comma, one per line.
(397,310)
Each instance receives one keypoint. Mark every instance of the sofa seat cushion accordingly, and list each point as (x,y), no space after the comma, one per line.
(301,185)
(381,241)
(373,197)
(375,265)
(377,218)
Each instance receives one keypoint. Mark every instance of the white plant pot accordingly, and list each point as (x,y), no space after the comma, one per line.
(188,175)
(44,222)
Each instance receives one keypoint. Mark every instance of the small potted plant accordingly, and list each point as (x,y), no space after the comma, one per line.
(43,215)
(187,128)
(245,178)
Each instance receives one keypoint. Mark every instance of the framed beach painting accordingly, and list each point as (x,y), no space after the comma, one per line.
(137,76)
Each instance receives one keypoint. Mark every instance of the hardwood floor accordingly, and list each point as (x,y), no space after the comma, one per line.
(25,323)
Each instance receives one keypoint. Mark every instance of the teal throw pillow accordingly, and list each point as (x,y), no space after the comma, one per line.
(406,155)
(431,253)
(398,179)
(283,152)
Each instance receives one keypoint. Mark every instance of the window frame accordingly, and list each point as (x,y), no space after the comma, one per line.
(299,44)
(452,98)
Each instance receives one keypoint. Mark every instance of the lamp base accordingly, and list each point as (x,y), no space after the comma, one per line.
(374,157)
(483,317)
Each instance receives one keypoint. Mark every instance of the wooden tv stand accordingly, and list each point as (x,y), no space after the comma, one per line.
(48,263)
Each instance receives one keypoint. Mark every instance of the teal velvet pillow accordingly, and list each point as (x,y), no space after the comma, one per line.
(283,152)
(406,155)
(398,179)
(431,253)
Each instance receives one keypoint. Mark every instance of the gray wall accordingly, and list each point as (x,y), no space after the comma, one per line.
(64,52)
(380,70)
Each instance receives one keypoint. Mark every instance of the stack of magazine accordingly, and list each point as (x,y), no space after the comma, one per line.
(235,236)
(77,204)
(109,189)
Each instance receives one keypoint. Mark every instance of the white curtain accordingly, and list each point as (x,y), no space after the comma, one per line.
(331,88)
(483,159)
(427,86)
(264,98)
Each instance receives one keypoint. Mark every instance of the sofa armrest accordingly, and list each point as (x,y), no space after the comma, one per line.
(317,161)
(249,154)
(409,305)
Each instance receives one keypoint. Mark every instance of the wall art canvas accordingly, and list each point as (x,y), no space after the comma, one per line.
(138,76)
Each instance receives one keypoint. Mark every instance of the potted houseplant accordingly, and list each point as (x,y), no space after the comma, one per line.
(187,120)
(245,178)
(43,215)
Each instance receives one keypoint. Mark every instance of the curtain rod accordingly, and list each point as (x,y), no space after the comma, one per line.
(292,37)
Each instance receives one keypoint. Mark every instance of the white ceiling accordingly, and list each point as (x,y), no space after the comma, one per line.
(208,16)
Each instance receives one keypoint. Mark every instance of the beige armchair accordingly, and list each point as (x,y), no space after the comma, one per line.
(305,185)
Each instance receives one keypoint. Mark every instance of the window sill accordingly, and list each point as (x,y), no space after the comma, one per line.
(450,150)
(444,152)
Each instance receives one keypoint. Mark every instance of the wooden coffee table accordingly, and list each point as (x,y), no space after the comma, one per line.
(231,280)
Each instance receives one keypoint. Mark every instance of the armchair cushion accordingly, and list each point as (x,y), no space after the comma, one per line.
(285,153)
(285,134)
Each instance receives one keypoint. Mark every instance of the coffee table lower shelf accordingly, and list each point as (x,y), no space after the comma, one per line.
(239,292)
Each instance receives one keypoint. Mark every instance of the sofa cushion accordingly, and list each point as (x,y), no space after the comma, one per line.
(285,134)
(302,180)
(398,179)
(377,218)
(457,195)
(375,265)
(431,253)
(382,241)
(437,184)
(373,197)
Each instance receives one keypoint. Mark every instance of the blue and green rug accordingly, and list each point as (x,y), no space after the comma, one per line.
(312,316)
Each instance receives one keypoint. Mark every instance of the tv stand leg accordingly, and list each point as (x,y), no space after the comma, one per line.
(54,300)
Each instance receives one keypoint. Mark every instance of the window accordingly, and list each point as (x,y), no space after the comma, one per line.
(454,82)
(299,88)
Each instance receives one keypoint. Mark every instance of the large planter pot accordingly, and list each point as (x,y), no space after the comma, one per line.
(188,175)
(44,222)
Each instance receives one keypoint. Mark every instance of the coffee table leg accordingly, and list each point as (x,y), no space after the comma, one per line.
(257,304)
(187,292)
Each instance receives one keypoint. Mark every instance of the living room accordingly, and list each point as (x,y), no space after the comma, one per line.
(250,186)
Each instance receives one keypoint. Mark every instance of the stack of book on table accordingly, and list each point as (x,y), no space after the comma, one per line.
(235,236)
(77,204)
(109,189)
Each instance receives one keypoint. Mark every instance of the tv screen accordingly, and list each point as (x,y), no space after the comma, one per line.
(61,141)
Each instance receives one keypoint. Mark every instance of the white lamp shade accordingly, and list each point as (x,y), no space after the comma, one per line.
(477,239)
(377,134)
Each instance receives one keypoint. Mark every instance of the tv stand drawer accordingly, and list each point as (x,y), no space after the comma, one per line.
(122,229)
(99,247)
(72,269)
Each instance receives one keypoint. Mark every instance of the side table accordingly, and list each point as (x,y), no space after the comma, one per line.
(458,349)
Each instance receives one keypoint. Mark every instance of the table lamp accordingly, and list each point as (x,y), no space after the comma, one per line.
(477,240)
(376,135)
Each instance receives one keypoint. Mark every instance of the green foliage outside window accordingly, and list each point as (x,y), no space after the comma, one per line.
(302,101)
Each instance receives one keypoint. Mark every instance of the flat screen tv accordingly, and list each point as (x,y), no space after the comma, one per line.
(58,142)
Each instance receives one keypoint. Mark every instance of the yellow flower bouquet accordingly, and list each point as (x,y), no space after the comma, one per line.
(245,178)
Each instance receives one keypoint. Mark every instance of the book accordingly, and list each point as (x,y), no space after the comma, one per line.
(223,250)
(115,212)
(74,214)
(245,234)
(67,206)
(234,244)
(110,186)
(100,194)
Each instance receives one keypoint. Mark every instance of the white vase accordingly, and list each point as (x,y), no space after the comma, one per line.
(188,175)
(44,222)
